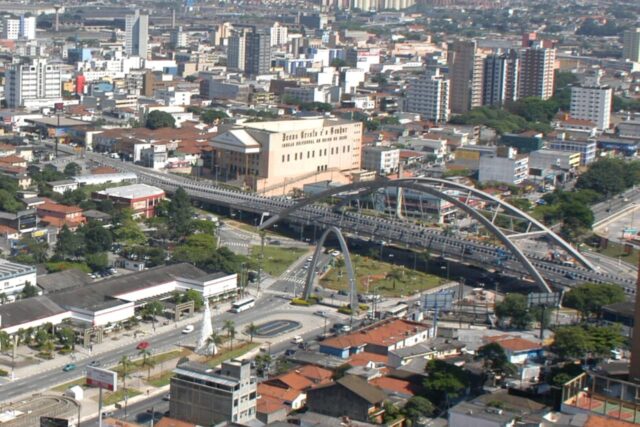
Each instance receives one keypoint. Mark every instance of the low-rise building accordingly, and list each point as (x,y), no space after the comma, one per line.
(63,186)
(550,159)
(14,277)
(382,160)
(206,396)
(587,149)
(518,350)
(57,215)
(506,167)
(141,198)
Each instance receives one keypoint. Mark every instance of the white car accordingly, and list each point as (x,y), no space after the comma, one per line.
(297,339)
(188,329)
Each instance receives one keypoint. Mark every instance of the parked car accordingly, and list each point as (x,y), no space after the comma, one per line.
(188,329)
(143,345)
(297,339)
(69,367)
(320,313)
(94,363)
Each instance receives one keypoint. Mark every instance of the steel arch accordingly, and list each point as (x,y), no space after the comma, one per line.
(437,187)
(311,274)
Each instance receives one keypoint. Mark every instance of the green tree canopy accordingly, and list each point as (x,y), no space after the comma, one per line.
(417,407)
(180,212)
(160,119)
(72,169)
(69,244)
(128,231)
(212,116)
(445,381)
(589,298)
(577,341)
(97,238)
(97,261)
(8,201)
(29,291)
(514,309)
(610,176)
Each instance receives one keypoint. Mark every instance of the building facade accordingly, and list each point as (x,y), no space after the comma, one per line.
(258,53)
(14,277)
(33,85)
(537,72)
(428,96)
(466,69)
(382,160)
(19,28)
(236,51)
(500,80)
(204,396)
(631,42)
(137,34)
(267,154)
(506,167)
(587,149)
(142,199)
(279,34)
(592,102)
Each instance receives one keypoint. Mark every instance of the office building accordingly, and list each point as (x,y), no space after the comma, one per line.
(178,38)
(631,42)
(500,80)
(206,396)
(466,69)
(382,160)
(33,85)
(236,52)
(257,53)
(505,166)
(592,101)
(537,72)
(279,35)
(587,149)
(276,154)
(428,95)
(19,28)
(136,34)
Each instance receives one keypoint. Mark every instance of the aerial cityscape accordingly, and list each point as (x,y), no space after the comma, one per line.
(319,213)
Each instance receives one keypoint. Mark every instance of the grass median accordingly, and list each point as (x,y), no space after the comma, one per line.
(276,258)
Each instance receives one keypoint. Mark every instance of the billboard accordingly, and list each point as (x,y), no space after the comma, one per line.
(442,300)
(104,378)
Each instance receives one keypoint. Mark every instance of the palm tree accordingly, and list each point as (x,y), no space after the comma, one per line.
(147,362)
(5,341)
(252,329)
(232,334)
(125,364)
(228,326)
(395,275)
(48,347)
(215,340)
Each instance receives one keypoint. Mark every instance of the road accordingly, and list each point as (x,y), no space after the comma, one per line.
(378,229)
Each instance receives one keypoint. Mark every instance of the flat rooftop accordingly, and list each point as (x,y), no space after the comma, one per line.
(27,310)
(63,122)
(132,191)
(10,269)
(296,125)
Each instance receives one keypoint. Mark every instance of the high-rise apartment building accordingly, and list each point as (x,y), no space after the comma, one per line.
(592,101)
(33,85)
(537,72)
(257,53)
(19,28)
(500,78)
(428,96)
(279,34)
(466,69)
(206,396)
(136,34)
(236,57)
(178,37)
(631,48)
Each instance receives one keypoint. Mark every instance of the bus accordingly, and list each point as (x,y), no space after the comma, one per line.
(243,304)
(399,310)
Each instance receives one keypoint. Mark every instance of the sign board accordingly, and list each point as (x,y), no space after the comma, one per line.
(58,106)
(439,300)
(547,299)
(53,422)
(104,378)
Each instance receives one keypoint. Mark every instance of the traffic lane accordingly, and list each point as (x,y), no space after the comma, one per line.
(136,412)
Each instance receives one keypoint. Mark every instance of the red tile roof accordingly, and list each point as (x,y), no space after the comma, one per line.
(385,333)
(315,373)
(394,385)
(362,359)
(512,343)
(269,405)
(286,395)
(51,206)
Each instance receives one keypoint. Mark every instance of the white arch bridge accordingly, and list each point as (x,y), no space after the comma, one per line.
(479,205)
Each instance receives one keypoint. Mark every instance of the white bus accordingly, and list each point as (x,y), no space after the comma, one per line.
(399,310)
(243,304)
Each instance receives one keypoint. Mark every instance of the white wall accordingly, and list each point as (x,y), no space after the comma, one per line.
(14,285)
(54,320)
(211,288)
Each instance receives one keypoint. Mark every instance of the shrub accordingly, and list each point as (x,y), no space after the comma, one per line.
(363,307)
(3,373)
(345,310)
(300,301)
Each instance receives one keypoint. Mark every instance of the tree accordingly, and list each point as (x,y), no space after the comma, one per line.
(69,244)
(97,261)
(97,238)
(445,381)
(147,362)
(129,231)
(391,412)
(589,298)
(263,362)
(5,341)
(252,329)
(67,337)
(493,356)
(36,249)
(215,340)
(395,274)
(48,347)
(180,212)
(8,202)
(153,309)
(606,177)
(213,116)
(571,342)
(29,291)
(514,308)
(41,337)
(72,169)
(605,338)
(160,119)
(125,367)
(196,297)
(230,327)
(417,407)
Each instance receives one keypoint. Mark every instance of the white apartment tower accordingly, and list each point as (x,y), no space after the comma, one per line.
(33,85)
(19,28)
(428,96)
(279,34)
(631,42)
(592,101)
(136,34)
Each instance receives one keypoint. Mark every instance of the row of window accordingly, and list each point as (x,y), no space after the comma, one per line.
(312,154)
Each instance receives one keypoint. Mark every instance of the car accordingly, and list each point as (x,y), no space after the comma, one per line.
(570,275)
(343,292)
(143,345)
(320,313)
(107,414)
(69,367)
(297,339)
(310,259)
(188,329)
(94,363)
(335,253)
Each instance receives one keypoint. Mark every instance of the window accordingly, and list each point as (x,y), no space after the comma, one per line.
(288,157)
(283,158)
